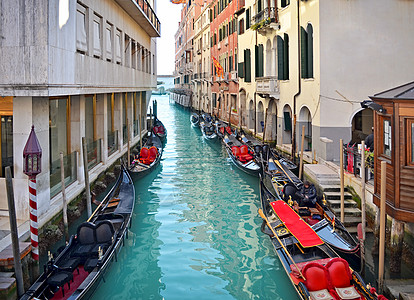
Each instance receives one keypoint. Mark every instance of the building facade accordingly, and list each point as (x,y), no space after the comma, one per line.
(74,69)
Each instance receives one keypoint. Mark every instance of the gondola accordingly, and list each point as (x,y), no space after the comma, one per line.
(195,120)
(283,183)
(313,267)
(208,130)
(241,156)
(77,270)
(148,159)
(159,129)
(222,129)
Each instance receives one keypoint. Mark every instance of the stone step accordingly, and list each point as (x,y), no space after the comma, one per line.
(337,203)
(349,211)
(329,181)
(336,196)
(332,188)
(8,288)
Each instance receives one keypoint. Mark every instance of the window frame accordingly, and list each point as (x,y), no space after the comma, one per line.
(409,127)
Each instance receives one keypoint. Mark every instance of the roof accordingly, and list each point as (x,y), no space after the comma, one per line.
(405,91)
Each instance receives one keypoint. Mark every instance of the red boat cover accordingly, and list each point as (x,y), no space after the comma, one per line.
(306,236)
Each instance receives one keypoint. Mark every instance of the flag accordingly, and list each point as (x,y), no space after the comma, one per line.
(219,68)
(178,1)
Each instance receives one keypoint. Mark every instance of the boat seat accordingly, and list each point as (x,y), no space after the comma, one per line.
(341,277)
(143,154)
(86,240)
(153,153)
(104,235)
(70,264)
(59,279)
(235,150)
(90,264)
(317,281)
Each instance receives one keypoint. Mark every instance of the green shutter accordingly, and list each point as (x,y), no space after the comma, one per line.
(256,61)
(288,121)
(286,57)
(261,61)
(247,66)
(303,53)
(240,70)
(248,18)
(310,51)
(280,56)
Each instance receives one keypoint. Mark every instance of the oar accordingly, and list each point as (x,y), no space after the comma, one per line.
(280,242)
(280,166)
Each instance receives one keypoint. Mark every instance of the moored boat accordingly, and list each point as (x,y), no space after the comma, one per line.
(78,269)
(159,129)
(148,159)
(195,119)
(241,156)
(284,184)
(313,267)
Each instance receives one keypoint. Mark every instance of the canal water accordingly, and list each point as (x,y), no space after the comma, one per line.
(195,230)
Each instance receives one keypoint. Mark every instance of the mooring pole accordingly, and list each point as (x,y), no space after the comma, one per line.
(14,233)
(65,207)
(382,226)
(128,145)
(301,153)
(85,170)
(341,160)
(363,201)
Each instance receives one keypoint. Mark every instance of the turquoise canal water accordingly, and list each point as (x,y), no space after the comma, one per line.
(195,231)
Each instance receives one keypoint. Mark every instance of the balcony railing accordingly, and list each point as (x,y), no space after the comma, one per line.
(112,142)
(141,11)
(267,85)
(69,167)
(264,18)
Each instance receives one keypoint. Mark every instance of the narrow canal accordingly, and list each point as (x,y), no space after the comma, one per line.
(195,230)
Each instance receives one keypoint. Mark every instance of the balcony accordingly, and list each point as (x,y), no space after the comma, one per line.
(265,21)
(268,86)
(233,76)
(142,13)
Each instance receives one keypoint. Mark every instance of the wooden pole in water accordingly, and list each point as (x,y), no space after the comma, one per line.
(382,226)
(301,153)
(14,233)
(128,144)
(86,173)
(341,160)
(65,207)
(264,126)
(363,200)
(140,118)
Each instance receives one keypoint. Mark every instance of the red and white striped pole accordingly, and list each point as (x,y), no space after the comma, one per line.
(33,218)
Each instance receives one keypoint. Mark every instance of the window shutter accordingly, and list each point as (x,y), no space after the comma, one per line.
(310,51)
(288,121)
(240,70)
(248,66)
(118,46)
(108,41)
(280,56)
(261,61)
(256,61)
(304,52)
(286,57)
(248,18)
(97,37)
(81,44)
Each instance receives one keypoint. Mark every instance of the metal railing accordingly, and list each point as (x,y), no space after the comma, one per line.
(112,142)
(124,134)
(267,13)
(147,9)
(70,168)
(352,161)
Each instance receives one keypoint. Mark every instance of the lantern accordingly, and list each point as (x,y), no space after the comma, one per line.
(32,155)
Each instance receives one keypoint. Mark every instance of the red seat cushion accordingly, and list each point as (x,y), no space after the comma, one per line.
(339,272)
(244,149)
(316,276)
(235,150)
(143,154)
(228,130)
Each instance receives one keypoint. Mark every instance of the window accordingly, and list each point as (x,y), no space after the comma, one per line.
(284,3)
(248,18)
(241,26)
(118,58)
(58,128)
(387,137)
(90,108)
(306,40)
(81,29)
(97,36)
(259,60)
(247,66)
(283,57)
(410,141)
(108,32)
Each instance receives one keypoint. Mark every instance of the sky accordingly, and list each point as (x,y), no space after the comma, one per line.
(169,16)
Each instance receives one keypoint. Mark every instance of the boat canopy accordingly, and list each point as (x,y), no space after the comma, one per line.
(306,236)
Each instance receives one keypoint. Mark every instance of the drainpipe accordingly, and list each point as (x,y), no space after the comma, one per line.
(255,112)
(299,88)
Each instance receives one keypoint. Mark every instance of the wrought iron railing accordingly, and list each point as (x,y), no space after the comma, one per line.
(70,172)
(269,13)
(147,9)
